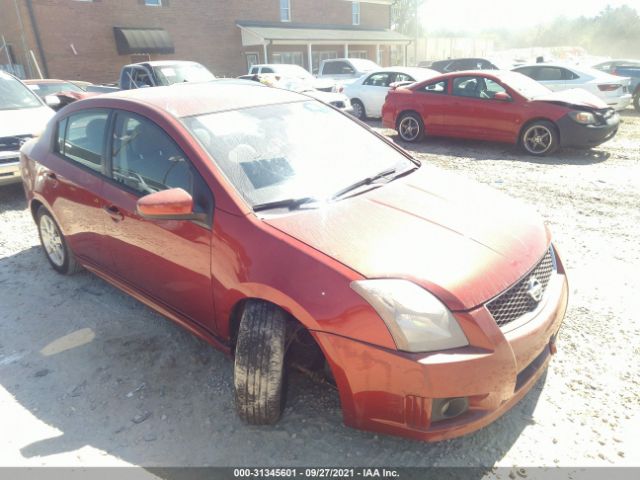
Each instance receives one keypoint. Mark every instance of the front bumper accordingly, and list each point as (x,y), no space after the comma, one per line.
(9,168)
(393,392)
(574,134)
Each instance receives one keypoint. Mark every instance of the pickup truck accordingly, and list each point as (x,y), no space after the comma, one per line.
(345,68)
(156,74)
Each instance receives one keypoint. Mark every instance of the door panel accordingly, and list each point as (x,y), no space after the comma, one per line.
(475,114)
(433,103)
(72,183)
(169,260)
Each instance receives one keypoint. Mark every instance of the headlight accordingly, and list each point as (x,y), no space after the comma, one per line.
(417,320)
(585,118)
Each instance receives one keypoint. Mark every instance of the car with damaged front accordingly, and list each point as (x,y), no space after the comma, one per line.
(432,303)
(499,106)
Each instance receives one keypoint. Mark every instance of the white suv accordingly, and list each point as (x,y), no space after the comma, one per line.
(23,115)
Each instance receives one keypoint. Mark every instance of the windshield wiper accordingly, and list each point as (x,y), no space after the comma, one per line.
(290,203)
(372,179)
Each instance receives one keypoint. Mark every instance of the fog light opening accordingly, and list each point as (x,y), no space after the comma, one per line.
(448,408)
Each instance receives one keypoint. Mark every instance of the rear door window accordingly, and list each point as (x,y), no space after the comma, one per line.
(435,87)
(81,138)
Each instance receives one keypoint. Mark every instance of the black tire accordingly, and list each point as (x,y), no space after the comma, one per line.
(259,364)
(358,109)
(636,101)
(539,138)
(65,262)
(410,127)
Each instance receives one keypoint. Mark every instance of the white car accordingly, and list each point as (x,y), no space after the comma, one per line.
(367,93)
(291,71)
(612,89)
(338,100)
(23,115)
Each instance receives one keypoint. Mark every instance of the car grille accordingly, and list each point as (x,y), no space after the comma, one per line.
(516,301)
(13,144)
(603,115)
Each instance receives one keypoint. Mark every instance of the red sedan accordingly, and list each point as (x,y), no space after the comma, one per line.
(499,106)
(431,302)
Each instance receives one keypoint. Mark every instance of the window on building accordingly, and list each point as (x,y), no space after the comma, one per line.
(81,138)
(295,58)
(355,13)
(153,3)
(285,10)
(358,54)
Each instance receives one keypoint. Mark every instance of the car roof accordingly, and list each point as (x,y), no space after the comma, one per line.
(161,63)
(191,99)
(32,81)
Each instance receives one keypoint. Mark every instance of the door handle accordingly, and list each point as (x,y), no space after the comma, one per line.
(114,212)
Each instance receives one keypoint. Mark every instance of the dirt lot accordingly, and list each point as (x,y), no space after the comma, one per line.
(88,376)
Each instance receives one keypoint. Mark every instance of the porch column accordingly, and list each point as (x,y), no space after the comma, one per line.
(266,53)
(378,54)
(346,50)
(310,58)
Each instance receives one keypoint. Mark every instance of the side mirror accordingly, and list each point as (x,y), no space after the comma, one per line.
(502,97)
(172,204)
(52,101)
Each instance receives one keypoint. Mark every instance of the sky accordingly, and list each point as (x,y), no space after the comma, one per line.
(474,15)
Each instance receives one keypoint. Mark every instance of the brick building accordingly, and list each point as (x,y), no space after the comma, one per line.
(92,39)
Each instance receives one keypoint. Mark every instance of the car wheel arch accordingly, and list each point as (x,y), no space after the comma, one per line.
(35,206)
(538,119)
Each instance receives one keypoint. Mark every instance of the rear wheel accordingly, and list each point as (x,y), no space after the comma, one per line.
(539,138)
(410,127)
(54,244)
(259,363)
(358,109)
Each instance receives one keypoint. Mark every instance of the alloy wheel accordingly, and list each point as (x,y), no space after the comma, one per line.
(409,129)
(537,139)
(52,240)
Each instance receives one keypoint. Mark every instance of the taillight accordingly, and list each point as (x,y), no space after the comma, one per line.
(609,87)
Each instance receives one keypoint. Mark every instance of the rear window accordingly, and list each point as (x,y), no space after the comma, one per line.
(81,138)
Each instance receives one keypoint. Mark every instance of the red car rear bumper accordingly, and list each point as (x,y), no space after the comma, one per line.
(392,392)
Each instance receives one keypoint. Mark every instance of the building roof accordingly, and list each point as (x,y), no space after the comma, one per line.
(256,33)
(188,99)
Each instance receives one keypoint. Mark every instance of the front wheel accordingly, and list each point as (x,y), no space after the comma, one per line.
(358,110)
(539,138)
(54,244)
(259,364)
(636,101)
(410,127)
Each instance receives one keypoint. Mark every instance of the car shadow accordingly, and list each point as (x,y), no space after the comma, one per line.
(99,369)
(12,198)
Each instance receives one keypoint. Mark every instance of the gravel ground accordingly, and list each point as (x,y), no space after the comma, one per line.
(88,376)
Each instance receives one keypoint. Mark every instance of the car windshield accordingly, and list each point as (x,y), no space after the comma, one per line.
(44,89)
(291,151)
(15,96)
(364,65)
(525,86)
(182,72)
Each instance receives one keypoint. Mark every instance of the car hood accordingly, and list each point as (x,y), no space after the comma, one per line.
(574,97)
(462,241)
(26,121)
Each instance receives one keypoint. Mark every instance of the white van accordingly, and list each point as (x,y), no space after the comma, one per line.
(23,115)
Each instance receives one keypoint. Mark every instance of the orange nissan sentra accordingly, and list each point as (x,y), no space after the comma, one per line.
(285,233)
